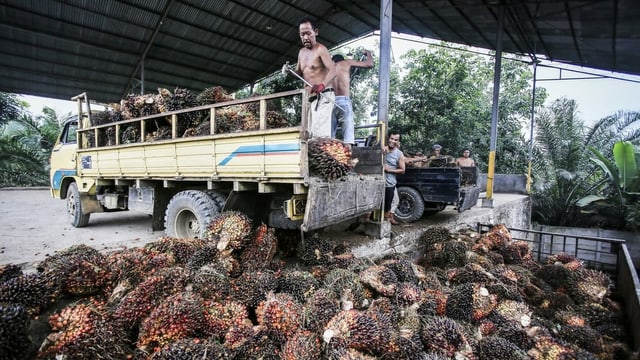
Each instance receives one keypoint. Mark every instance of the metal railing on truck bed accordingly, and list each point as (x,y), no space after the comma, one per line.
(608,255)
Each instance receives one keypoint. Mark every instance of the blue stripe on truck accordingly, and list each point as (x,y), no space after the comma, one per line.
(260,150)
(58,175)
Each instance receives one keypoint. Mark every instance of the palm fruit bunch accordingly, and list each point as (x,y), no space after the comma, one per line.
(316,250)
(162,97)
(202,257)
(229,230)
(276,120)
(547,347)
(251,288)
(584,337)
(407,294)
(302,345)
(193,348)
(257,345)
(319,308)
(556,276)
(130,134)
(403,267)
(83,330)
(516,252)
(589,286)
(433,302)
(9,271)
(235,118)
(329,158)
(470,272)
(238,335)
(213,95)
(221,316)
(497,237)
(226,262)
(181,249)
(450,254)
(498,348)
(381,279)
(260,250)
(82,270)
(356,330)
(435,235)
(444,336)
(139,302)
(347,285)
(14,337)
(35,292)
(384,313)
(211,282)
(408,347)
(184,99)
(177,317)
(161,132)
(128,108)
(298,283)
(514,312)
(133,265)
(470,302)
(280,315)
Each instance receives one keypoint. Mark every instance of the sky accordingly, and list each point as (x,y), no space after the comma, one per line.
(596,97)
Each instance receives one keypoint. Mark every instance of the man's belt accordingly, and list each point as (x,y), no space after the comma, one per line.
(314,97)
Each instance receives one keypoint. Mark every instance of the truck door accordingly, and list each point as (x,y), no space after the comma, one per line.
(63,157)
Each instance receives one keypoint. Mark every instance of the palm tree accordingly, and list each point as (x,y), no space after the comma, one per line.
(563,173)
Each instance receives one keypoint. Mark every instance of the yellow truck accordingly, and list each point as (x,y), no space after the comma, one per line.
(184,181)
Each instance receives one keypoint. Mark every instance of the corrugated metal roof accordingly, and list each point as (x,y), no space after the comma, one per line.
(60,48)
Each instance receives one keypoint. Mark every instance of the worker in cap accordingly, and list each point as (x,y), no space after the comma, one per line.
(435,151)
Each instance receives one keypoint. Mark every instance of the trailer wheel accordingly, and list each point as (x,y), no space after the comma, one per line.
(411,206)
(74,207)
(188,214)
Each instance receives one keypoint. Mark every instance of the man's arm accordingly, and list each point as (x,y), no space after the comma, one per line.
(367,63)
(325,57)
(401,164)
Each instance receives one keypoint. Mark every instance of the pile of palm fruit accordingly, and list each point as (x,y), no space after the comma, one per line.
(233,296)
(232,118)
(329,158)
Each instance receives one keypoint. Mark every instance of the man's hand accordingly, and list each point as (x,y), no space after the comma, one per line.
(317,88)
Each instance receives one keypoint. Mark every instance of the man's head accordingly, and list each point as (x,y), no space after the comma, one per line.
(393,140)
(308,31)
(436,148)
(337,58)
(466,152)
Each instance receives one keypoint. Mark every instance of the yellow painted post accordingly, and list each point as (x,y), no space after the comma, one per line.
(490,174)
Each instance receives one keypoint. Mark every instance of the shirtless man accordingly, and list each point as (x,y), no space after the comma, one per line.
(317,68)
(343,112)
(465,160)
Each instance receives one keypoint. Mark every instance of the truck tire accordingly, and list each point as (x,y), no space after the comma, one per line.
(217,197)
(411,206)
(74,207)
(188,214)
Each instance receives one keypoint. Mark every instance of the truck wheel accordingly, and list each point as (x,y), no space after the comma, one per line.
(218,198)
(411,206)
(188,214)
(74,207)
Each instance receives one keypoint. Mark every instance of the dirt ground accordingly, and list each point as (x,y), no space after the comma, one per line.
(34,225)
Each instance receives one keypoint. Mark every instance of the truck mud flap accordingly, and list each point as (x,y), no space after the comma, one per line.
(468,197)
(331,202)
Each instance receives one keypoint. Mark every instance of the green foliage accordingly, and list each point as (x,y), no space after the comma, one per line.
(615,196)
(570,187)
(23,160)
